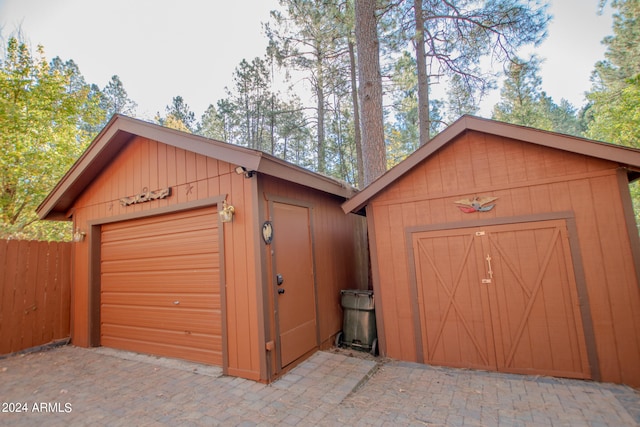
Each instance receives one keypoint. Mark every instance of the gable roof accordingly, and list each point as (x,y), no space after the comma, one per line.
(122,129)
(628,157)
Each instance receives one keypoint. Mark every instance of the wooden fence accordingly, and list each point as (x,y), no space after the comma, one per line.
(35,293)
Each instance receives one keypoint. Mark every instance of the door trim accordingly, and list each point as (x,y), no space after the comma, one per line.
(576,257)
(271,199)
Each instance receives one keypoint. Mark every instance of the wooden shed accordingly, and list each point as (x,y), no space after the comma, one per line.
(157,270)
(504,248)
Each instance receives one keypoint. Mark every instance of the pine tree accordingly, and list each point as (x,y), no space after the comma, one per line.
(115,99)
(370,91)
(615,96)
(310,37)
(524,103)
(212,125)
(179,116)
(452,37)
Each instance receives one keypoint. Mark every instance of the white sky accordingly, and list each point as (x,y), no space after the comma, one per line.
(164,48)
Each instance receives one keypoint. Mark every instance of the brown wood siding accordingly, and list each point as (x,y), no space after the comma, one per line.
(145,163)
(160,286)
(528,180)
(339,245)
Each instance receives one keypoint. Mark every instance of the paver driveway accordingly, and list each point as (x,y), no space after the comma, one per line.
(75,386)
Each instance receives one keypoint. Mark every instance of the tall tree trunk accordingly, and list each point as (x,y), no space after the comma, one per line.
(340,146)
(322,162)
(272,118)
(284,148)
(424,120)
(370,90)
(356,115)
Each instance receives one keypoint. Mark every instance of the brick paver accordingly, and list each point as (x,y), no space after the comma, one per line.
(74,386)
(408,393)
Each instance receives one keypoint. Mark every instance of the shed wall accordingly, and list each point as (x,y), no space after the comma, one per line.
(528,180)
(195,180)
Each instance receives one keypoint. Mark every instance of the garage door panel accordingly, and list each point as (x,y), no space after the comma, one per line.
(194,354)
(189,320)
(186,301)
(169,224)
(187,281)
(160,286)
(182,233)
(209,342)
(181,244)
(167,264)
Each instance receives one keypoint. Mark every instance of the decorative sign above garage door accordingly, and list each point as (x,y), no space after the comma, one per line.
(146,196)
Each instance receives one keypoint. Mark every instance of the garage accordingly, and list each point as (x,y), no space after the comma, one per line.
(160,286)
(183,248)
(510,249)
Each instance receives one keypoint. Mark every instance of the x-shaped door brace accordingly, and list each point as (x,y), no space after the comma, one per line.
(452,303)
(530,294)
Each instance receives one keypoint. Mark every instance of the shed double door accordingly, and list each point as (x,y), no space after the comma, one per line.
(500,298)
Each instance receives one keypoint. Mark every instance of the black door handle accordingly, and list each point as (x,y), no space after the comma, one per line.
(279,279)
(281,291)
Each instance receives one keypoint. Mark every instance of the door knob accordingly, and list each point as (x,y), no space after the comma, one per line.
(281,291)
(279,279)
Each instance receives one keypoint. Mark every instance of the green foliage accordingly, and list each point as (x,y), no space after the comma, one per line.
(524,103)
(115,100)
(402,133)
(211,124)
(311,37)
(255,116)
(291,135)
(613,113)
(615,97)
(460,101)
(340,154)
(179,116)
(459,36)
(46,117)
(255,101)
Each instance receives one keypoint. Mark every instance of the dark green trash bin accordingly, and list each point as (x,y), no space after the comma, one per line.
(359,321)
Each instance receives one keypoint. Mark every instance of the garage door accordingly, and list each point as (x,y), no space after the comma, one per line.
(500,298)
(160,286)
